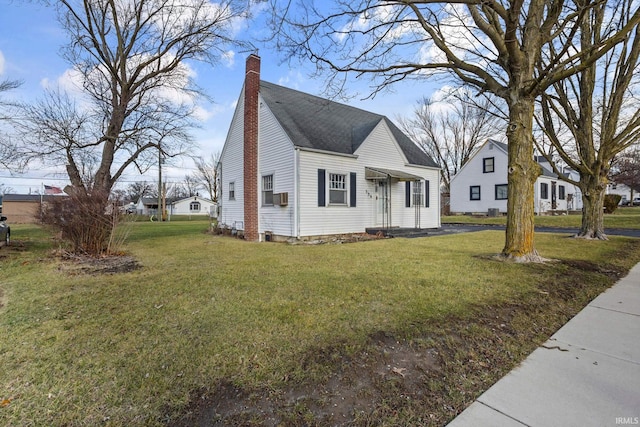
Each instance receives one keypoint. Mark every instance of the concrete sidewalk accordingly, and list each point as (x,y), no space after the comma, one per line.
(586,374)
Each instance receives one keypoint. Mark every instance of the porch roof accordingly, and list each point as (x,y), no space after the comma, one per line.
(380,173)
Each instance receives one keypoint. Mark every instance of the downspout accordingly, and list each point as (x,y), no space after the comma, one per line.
(389,202)
(296,190)
(219,194)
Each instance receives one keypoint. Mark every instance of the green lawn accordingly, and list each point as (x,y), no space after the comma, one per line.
(132,348)
(624,217)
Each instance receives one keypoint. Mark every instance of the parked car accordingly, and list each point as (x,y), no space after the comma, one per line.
(636,201)
(5,231)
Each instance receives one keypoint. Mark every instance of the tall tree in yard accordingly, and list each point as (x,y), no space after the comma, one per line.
(494,46)
(137,94)
(134,94)
(592,116)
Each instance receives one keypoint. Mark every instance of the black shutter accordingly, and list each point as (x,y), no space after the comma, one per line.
(321,188)
(407,194)
(426,193)
(352,190)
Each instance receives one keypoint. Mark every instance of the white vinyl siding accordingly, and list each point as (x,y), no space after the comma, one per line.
(232,171)
(276,159)
(380,150)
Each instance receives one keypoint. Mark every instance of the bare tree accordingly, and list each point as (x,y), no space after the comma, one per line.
(207,174)
(138,189)
(451,133)
(591,117)
(5,190)
(626,170)
(7,146)
(491,45)
(191,185)
(130,59)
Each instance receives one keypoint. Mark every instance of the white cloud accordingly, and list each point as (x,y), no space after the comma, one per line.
(2,62)
(294,79)
(229,58)
(203,114)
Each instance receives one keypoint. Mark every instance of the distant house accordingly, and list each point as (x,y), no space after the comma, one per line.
(296,165)
(193,205)
(626,193)
(481,185)
(24,208)
(147,206)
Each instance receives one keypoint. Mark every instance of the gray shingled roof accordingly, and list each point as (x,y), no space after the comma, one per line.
(318,123)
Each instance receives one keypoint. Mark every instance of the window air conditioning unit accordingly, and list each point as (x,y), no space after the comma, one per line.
(281,199)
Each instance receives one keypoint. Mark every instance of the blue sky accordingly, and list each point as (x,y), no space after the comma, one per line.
(30,42)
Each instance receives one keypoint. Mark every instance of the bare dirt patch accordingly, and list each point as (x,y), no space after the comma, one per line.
(349,393)
(112,264)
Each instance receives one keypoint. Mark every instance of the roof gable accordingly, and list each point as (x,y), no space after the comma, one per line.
(321,124)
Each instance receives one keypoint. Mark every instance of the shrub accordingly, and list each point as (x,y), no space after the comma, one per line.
(86,221)
(611,202)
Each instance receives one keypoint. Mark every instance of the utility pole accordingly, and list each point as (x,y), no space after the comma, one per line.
(159,211)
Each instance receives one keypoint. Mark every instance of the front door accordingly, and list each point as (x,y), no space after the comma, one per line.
(382,204)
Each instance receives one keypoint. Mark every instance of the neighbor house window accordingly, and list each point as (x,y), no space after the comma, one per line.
(501,192)
(544,190)
(561,194)
(474,192)
(267,190)
(418,195)
(337,189)
(488,164)
(232,191)
(194,207)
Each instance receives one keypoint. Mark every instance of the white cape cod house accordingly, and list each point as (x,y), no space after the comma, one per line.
(481,185)
(298,166)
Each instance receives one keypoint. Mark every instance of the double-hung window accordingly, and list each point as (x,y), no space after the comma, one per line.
(232,190)
(501,191)
(544,190)
(194,207)
(267,190)
(488,165)
(337,189)
(474,192)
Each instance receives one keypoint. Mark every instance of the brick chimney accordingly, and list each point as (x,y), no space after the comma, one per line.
(251,89)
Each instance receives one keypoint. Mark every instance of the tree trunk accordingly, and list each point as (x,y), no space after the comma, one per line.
(593,191)
(522,174)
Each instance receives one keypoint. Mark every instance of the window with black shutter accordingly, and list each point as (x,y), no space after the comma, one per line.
(322,187)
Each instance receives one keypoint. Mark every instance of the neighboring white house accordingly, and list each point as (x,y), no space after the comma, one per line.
(193,205)
(623,190)
(481,185)
(147,206)
(296,165)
